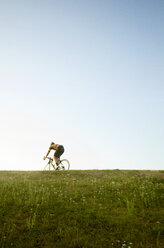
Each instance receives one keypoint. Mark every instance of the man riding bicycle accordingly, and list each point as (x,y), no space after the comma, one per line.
(59,150)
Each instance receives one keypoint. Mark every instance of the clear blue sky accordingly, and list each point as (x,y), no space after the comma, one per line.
(86,74)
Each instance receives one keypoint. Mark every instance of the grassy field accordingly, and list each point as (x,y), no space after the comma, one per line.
(82,209)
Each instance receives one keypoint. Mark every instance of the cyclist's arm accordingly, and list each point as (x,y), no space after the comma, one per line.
(47,153)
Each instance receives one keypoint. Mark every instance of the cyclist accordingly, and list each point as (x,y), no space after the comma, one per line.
(59,150)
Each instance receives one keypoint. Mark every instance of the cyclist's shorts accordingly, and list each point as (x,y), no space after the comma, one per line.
(59,151)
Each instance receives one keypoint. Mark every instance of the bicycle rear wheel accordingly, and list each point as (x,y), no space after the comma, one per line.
(64,164)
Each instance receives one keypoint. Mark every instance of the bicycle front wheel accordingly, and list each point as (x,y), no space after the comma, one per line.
(64,164)
(49,166)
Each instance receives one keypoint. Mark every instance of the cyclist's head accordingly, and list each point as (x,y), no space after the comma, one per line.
(52,143)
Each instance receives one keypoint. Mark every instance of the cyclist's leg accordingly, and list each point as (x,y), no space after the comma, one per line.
(56,160)
(57,155)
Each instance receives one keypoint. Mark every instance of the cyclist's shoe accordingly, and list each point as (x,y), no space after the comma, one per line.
(57,163)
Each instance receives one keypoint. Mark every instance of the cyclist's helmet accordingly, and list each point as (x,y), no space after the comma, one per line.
(52,143)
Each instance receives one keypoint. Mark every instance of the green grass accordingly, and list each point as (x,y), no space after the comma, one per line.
(82,209)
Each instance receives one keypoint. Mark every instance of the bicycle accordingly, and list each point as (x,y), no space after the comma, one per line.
(63,164)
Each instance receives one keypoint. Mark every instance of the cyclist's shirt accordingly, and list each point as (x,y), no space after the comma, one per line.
(53,147)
